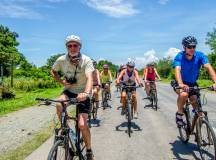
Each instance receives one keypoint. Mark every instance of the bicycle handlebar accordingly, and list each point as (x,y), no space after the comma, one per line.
(197,88)
(71,100)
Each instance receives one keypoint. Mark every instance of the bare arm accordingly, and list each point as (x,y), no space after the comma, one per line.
(89,83)
(137,77)
(120,76)
(56,76)
(110,76)
(144,70)
(98,77)
(178,75)
(157,73)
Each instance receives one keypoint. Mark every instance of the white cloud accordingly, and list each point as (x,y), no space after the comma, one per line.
(22,9)
(17,11)
(148,57)
(113,8)
(172,52)
(163,2)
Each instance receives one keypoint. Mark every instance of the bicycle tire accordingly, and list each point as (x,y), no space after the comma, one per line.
(184,130)
(94,112)
(129,118)
(56,148)
(207,144)
(155,101)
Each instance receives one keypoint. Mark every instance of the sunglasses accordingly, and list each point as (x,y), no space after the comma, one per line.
(131,66)
(72,46)
(191,47)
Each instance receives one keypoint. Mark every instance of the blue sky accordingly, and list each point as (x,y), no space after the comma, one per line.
(110,29)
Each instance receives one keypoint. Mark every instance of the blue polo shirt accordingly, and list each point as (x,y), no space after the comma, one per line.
(190,68)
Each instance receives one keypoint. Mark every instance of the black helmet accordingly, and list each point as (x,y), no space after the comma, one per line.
(189,41)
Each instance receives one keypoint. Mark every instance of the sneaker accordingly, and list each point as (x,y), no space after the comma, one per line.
(89,155)
(179,120)
(135,115)
(122,112)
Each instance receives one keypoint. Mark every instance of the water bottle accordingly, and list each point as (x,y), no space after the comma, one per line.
(192,113)
(72,135)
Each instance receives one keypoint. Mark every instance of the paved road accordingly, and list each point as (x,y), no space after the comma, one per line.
(155,135)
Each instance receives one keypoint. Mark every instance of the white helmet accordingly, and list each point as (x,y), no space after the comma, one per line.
(73,38)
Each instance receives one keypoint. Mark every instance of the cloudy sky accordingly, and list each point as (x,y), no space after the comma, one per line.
(116,30)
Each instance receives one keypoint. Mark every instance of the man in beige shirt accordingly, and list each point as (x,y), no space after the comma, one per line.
(77,70)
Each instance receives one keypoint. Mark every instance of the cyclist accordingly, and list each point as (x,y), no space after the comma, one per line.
(77,69)
(187,65)
(96,83)
(149,74)
(129,74)
(106,76)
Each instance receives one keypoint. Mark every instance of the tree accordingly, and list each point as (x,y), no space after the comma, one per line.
(8,51)
(52,59)
(211,40)
(164,67)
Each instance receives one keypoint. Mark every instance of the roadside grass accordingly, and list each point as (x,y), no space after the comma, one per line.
(36,141)
(25,99)
(25,149)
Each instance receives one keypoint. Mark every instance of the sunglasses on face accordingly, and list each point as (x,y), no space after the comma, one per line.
(191,47)
(72,46)
(131,66)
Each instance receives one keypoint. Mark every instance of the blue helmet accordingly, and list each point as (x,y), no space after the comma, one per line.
(189,41)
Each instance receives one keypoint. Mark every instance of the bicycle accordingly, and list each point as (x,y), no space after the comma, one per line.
(106,95)
(204,133)
(93,110)
(68,144)
(129,87)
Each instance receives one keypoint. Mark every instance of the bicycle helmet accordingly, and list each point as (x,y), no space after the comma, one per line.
(73,38)
(189,41)
(131,63)
(105,66)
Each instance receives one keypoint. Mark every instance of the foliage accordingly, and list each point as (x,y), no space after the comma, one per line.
(51,60)
(211,40)
(164,67)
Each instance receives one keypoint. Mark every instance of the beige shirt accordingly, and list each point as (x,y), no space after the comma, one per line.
(84,67)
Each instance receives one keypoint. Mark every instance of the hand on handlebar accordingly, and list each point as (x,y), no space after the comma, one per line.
(184,87)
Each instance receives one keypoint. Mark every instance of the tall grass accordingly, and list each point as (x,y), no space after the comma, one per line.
(29,84)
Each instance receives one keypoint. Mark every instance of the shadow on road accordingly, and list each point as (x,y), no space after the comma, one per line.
(181,150)
(149,106)
(123,125)
(95,123)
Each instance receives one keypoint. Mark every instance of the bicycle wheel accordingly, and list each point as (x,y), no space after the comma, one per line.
(94,111)
(80,146)
(184,131)
(206,139)
(129,118)
(155,101)
(60,151)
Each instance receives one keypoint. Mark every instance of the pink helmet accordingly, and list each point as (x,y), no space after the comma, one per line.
(105,66)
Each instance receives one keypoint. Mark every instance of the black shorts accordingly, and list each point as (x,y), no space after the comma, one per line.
(83,107)
(191,93)
(131,89)
(103,85)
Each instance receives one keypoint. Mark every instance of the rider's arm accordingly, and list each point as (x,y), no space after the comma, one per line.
(98,77)
(137,77)
(157,73)
(110,75)
(55,75)
(144,70)
(178,75)
(89,83)
(211,71)
(120,76)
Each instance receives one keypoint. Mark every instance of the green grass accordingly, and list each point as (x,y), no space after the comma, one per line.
(25,99)
(24,150)
(205,83)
